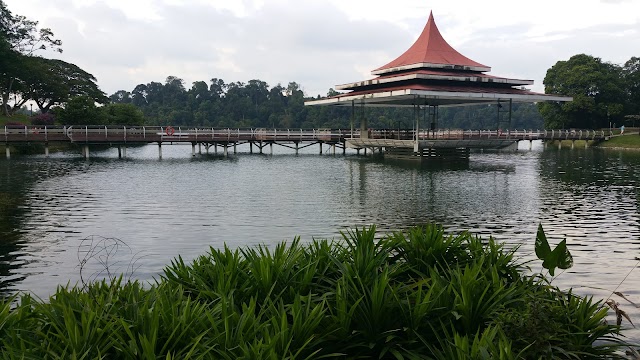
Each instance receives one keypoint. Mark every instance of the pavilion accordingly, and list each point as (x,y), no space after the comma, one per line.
(431,74)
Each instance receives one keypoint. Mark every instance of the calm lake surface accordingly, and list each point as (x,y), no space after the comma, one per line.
(50,209)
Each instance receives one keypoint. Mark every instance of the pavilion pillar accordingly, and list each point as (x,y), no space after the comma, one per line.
(364,127)
(353,115)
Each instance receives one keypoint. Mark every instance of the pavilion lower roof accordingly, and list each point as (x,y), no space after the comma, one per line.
(432,75)
(435,94)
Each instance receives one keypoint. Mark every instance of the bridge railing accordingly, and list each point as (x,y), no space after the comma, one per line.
(203,134)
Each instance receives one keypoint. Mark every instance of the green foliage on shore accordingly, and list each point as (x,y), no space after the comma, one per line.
(603,93)
(415,295)
(631,141)
(17,118)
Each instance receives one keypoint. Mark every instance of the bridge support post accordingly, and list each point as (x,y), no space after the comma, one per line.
(358,151)
(200,148)
(7,151)
(559,144)
(530,144)
(333,149)
(85,151)
(124,152)
(234,148)
(270,148)
(260,146)
(250,147)
(297,144)
(344,148)
(226,153)
(119,152)
(573,144)
(365,151)
(320,148)
(215,148)
(160,150)
(193,149)
(46,150)
(206,148)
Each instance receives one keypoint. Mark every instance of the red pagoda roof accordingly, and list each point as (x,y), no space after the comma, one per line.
(431,50)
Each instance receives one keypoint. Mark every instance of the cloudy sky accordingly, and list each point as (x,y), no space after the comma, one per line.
(321,43)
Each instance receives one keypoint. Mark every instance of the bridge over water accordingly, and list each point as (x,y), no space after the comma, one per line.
(396,142)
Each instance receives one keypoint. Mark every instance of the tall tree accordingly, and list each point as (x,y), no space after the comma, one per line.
(631,75)
(597,89)
(24,39)
(54,82)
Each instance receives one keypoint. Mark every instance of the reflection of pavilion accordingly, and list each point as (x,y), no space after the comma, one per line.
(431,74)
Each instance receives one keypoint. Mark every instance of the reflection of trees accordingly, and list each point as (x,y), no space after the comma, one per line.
(11,215)
(592,167)
(17,178)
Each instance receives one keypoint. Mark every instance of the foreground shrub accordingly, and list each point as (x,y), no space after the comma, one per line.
(414,295)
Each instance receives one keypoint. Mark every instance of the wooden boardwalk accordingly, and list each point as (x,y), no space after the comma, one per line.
(296,139)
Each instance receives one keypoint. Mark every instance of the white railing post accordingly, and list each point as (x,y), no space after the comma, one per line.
(86,134)
(125,133)
(144,132)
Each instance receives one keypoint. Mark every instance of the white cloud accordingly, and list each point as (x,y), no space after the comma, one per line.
(320,43)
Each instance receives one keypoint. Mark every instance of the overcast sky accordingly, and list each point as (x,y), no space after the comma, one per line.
(321,43)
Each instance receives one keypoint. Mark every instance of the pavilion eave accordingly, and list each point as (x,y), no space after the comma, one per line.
(412,97)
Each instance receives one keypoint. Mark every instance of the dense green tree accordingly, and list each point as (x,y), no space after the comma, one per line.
(81,110)
(121,97)
(631,75)
(122,114)
(597,89)
(54,82)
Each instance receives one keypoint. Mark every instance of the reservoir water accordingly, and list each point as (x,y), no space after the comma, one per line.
(51,209)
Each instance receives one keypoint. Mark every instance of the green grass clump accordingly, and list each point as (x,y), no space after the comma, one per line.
(631,141)
(421,294)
